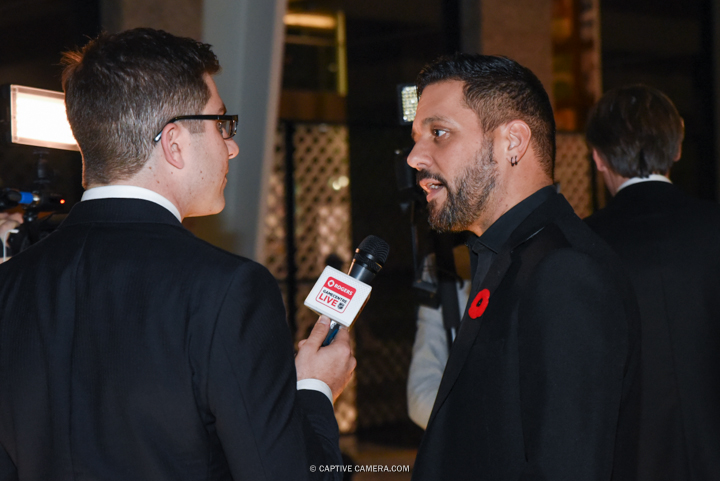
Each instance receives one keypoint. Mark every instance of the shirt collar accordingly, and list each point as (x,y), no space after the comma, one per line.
(637,180)
(499,232)
(130,192)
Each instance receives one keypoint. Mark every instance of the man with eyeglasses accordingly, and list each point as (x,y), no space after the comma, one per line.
(130,349)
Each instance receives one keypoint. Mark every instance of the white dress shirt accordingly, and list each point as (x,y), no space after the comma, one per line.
(649,178)
(130,192)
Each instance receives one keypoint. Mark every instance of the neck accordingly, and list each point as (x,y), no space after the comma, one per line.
(613,181)
(148,179)
(504,199)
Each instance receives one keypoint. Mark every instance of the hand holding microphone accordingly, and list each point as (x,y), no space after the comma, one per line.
(333,365)
(338,298)
(8,223)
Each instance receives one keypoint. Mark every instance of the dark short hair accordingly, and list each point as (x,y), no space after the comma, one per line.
(500,90)
(636,130)
(121,89)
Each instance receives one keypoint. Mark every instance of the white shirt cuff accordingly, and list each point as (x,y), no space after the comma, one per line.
(315,385)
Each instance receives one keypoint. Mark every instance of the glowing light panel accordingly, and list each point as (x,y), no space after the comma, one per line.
(38,118)
(311,20)
(409,101)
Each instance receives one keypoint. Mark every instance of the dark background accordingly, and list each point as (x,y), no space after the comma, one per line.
(33,35)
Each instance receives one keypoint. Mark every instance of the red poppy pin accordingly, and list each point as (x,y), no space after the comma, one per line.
(479,304)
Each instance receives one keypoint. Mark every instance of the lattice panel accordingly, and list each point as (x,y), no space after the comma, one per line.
(322,223)
(572,171)
(322,197)
(384,371)
(275,222)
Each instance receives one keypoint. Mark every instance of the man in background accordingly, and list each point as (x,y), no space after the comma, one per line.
(541,379)
(431,349)
(670,245)
(130,349)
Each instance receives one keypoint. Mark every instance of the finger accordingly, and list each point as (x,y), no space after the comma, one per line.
(343,336)
(6,227)
(17,217)
(318,333)
(343,343)
(301,343)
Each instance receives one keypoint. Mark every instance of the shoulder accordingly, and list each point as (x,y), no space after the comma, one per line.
(563,268)
(651,218)
(652,200)
(574,295)
(562,241)
(173,252)
(242,278)
(568,256)
(599,219)
(707,209)
(208,256)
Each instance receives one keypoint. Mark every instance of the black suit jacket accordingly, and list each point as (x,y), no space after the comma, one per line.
(131,350)
(542,385)
(670,244)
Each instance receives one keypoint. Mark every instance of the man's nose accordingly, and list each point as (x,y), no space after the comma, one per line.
(233,148)
(418,158)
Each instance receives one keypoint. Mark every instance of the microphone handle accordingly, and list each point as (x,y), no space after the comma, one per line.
(361,273)
(334,328)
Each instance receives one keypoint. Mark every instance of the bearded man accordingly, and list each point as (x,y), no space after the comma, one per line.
(541,382)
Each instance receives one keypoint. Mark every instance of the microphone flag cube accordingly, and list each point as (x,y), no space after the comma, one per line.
(338,296)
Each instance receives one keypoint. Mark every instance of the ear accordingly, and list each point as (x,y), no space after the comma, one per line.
(679,152)
(599,162)
(171,145)
(518,135)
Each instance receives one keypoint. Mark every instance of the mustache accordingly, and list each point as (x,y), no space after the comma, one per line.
(425,174)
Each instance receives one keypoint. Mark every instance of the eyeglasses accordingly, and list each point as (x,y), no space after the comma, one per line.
(226,124)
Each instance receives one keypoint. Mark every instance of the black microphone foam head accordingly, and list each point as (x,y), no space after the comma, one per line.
(375,248)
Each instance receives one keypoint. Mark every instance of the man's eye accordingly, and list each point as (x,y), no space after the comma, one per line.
(221,126)
(439,132)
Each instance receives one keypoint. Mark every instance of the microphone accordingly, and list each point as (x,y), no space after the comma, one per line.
(40,201)
(340,296)
(369,258)
(12,197)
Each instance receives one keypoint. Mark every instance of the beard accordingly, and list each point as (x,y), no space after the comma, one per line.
(466,201)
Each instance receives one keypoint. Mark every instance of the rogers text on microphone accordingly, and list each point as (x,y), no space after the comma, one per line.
(335,294)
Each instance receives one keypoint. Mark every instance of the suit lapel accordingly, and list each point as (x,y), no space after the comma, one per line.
(469,329)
